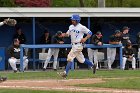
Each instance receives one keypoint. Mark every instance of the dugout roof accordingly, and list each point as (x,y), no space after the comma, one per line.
(66,12)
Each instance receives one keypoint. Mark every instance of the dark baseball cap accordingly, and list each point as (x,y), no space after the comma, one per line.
(99,34)
(125,28)
(59,32)
(117,31)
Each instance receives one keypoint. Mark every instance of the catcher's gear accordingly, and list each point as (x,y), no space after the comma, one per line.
(10,22)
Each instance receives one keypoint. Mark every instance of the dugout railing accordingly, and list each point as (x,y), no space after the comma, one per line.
(22,46)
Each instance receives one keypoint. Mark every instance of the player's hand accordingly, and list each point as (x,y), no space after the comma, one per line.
(64,35)
(120,43)
(61,42)
(5,22)
(83,40)
(99,43)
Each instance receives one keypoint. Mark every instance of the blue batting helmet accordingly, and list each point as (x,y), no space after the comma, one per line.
(75,17)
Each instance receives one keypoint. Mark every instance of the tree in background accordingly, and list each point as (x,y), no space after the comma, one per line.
(120,3)
(81,3)
(68,3)
(7,3)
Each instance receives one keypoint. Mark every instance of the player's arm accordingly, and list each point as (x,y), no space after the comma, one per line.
(3,22)
(11,52)
(65,35)
(89,34)
(113,42)
(61,41)
(85,30)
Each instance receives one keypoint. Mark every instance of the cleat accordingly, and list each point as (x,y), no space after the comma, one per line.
(19,70)
(55,69)
(110,69)
(44,69)
(15,71)
(94,68)
(3,79)
(62,74)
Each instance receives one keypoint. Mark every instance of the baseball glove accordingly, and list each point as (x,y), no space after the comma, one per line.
(10,22)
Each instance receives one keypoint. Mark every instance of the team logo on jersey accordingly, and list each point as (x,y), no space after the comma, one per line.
(76,31)
(16,49)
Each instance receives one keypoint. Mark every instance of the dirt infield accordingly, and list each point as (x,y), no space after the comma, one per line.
(64,85)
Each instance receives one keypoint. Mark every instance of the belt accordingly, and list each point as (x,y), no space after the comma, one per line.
(75,43)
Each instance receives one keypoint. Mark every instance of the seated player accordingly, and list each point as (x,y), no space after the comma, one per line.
(128,54)
(14,52)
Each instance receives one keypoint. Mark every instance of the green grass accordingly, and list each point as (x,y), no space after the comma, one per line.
(73,74)
(32,91)
(128,79)
(117,83)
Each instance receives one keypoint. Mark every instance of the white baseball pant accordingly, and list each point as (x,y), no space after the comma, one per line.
(111,54)
(14,61)
(52,52)
(76,53)
(133,62)
(93,54)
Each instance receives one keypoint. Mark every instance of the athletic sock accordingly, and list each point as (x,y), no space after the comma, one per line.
(69,64)
(88,63)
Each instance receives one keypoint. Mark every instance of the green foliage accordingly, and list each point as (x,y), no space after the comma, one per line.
(74,3)
(94,3)
(117,83)
(122,3)
(7,3)
(73,74)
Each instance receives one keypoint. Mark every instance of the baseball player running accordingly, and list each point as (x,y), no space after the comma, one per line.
(56,39)
(111,52)
(77,31)
(96,40)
